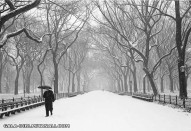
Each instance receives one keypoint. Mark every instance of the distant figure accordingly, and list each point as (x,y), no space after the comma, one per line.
(49,98)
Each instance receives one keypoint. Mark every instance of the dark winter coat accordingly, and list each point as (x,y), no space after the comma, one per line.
(49,96)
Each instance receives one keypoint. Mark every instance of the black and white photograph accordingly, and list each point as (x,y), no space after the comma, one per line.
(95,65)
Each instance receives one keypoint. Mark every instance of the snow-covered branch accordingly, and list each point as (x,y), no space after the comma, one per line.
(14,12)
(12,7)
(24,30)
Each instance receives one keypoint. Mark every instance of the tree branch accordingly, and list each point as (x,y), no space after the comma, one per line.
(17,11)
(159,61)
(138,52)
(186,12)
(12,7)
(186,39)
(7,36)
(72,41)
(161,12)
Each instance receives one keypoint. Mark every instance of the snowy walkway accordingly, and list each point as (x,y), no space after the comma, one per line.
(104,111)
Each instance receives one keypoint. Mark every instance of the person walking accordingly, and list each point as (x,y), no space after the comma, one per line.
(49,99)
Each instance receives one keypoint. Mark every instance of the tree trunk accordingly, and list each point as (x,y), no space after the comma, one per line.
(55,74)
(7,90)
(78,82)
(1,73)
(73,82)
(181,52)
(118,85)
(69,82)
(144,84)
(24,82)
(182,81)
(130,85)
(1,70)
(152,83)
(28,84)
(17,81)
(162,84)
(125,83)
(121,85)
(135,80)
(171,83)
(56,78)
(41,78)
(153,86)
(29,73)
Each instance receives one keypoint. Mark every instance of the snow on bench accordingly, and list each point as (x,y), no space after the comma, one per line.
(18,106)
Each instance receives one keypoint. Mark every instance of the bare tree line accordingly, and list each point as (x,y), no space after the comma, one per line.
(139,44)
(153,35)
(61,26)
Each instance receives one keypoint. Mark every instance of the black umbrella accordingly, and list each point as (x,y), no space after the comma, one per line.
(45,87)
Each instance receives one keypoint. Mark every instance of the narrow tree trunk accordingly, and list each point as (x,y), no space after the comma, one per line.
(55,74)
(125,83)
(135,80)
(56,78)
(69,82)
(28,84)
(1,70)
(7,90)
(17,82)
(1,73)
(121,85)
(152,83)
(40,73)
(153,86)
(144,84)
(171,83)
(162,84)
(41,78)
(78,82)
(73,82)
(118,85)
(130,85)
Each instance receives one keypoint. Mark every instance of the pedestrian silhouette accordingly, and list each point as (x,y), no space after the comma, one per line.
(49,99)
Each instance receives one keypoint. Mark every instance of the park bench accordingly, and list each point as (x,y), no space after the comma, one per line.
(146,97)
(7,108)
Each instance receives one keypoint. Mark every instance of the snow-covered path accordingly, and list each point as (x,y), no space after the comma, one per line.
(104,111)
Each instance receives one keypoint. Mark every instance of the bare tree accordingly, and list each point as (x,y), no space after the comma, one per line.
(144,17)
(9,11)
(18,61)
(64,33)
(3,61)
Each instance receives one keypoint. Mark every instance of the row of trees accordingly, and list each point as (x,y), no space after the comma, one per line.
(56,57)
(138,44)
(151,35)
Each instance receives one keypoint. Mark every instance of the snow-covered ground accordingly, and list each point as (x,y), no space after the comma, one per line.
(104,111)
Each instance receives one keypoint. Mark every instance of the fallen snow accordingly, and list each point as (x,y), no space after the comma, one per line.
(104,111)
